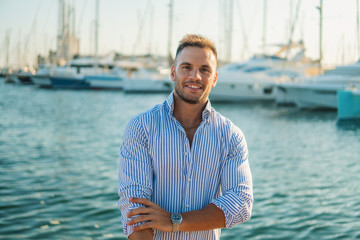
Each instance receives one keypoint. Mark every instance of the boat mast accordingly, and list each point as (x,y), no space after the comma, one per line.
(96,33)
(18,52)
(74,47)
(151,28)
(60,30)
(358,27)
(229,30)
(67,33)
(7,42)
(171,16)
(320,34)
(292,22)
(264,26)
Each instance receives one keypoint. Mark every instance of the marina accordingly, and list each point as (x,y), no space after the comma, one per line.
(65,100)
(59,151)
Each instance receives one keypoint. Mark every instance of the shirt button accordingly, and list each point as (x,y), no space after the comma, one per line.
(187,205)
(189,179)
(186,153)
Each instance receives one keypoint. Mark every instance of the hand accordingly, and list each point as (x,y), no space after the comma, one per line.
(156,217)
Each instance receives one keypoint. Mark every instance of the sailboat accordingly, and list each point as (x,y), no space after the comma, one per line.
(104,78)
(42,76)
(111,77)
(88,73)
(320,91)
(256,79)
(151,77)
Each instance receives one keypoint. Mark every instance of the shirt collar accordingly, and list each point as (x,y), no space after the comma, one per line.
(205,113)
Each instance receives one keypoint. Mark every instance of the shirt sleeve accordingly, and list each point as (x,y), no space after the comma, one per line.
(135,170)
(236,183)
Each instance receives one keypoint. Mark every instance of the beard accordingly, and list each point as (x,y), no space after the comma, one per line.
(182,95)
(184,98)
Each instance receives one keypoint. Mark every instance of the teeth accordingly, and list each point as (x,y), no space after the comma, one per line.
(193,86)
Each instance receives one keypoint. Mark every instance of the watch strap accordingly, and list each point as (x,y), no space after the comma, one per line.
(176,220)
(175,227)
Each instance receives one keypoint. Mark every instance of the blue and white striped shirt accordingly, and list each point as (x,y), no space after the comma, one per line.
(157,163)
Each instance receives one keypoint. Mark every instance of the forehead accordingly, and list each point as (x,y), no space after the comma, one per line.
(196,55)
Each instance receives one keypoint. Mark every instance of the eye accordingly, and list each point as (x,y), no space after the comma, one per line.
(186,67)
(205,70)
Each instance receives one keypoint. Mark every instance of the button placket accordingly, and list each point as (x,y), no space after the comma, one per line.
(187,159)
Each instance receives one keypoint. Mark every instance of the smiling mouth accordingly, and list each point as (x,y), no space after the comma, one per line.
(192,86)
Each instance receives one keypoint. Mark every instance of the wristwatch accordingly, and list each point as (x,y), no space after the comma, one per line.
(176,220)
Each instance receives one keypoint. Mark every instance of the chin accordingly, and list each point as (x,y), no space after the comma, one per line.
(188,97)
(189,100)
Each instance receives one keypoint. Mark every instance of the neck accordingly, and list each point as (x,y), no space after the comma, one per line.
(189,115)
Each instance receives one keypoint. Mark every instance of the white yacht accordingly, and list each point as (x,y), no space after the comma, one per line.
(84,73)
(111,80)
(253,80)
(320,91)
(145,80)
(256,79)
(42,76)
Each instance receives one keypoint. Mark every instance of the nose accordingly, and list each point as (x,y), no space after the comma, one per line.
(195,74)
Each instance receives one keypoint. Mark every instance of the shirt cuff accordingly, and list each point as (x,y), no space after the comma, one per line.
(231,208)
(127,229)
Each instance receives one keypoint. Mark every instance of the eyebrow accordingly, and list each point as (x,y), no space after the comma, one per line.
(186,63)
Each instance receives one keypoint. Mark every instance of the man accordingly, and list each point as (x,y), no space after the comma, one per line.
(183,169)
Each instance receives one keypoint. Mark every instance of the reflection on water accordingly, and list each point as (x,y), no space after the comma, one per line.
(349,125)
(59,150)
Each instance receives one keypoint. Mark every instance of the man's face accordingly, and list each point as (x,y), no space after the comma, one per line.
(194,74)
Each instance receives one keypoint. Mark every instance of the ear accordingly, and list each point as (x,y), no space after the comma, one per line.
(215,80)
(172,72)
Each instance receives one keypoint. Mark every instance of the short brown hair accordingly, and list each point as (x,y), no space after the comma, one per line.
(194,40)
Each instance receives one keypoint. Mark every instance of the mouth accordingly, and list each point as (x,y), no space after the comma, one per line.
(193,86)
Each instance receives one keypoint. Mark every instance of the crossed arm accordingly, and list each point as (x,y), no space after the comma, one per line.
(236,183)
(210,217)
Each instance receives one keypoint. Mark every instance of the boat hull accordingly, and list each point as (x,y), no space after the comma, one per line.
(11,78)
(348,104)
(308,96)
(42,81)
(147,85)
(105,82)
(69,82)
(25,79)
(242,91)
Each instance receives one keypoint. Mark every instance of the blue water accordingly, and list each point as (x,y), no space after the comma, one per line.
(59,150)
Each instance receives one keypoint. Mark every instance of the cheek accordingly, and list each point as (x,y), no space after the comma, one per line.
(213,83)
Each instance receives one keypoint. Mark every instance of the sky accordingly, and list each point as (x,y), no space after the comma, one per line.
(141,26)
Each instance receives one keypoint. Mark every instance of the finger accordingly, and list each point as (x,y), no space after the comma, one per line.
(144,201)
(138,211)
(142,226)
(138,219)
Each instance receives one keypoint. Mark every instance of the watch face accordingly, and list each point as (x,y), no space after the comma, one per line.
(176,218)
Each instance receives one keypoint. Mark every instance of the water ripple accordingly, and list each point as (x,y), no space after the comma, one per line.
(59,151)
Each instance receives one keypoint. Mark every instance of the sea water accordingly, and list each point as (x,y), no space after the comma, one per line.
(59,157)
